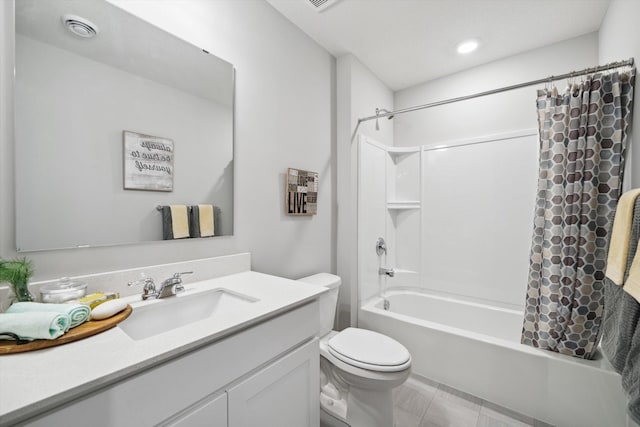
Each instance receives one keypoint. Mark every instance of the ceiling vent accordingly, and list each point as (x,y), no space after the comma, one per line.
(79,26)
(321,5)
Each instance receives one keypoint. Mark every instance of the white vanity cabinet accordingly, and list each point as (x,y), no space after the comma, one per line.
(283,394)
(265,375)
(212,412)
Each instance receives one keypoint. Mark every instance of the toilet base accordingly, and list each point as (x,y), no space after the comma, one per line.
(343,404)
(365,408)
(355,397)
(369,408)
(328,420)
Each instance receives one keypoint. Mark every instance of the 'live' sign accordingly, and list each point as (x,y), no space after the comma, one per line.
(297,203)
(301,196)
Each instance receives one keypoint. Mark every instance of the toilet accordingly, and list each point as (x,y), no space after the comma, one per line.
(358,368)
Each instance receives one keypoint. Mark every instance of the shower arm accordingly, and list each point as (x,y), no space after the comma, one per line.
(380,114)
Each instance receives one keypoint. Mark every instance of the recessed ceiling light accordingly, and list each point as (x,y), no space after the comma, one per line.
(467,46)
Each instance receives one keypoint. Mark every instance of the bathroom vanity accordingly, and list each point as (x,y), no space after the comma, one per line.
(250,358)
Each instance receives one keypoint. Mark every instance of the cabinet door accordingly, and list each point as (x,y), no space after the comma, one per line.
(285,393)
(212,413)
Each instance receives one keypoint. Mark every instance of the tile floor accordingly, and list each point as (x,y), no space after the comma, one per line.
(424,403)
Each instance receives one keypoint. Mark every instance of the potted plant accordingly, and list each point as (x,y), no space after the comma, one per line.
(17,272)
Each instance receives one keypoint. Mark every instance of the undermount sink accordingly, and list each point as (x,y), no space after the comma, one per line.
(162,315)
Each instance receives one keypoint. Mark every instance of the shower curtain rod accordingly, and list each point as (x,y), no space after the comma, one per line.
(629,62)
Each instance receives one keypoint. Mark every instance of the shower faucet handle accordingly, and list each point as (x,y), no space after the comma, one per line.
(382,271)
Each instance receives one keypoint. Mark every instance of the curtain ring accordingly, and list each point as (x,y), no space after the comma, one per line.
(550,84)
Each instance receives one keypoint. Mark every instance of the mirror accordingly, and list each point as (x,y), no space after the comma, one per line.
(77,183)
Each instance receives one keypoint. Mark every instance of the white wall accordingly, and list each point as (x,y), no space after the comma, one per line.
(284,118)
(619,38)
(492,114)
(359,92)
(372,216)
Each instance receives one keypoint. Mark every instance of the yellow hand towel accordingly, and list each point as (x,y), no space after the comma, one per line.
(620,236)
(179,221)
(206,220)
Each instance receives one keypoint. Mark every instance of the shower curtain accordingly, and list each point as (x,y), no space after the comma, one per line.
(583,133)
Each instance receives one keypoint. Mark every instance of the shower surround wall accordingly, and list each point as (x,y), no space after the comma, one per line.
(457,220)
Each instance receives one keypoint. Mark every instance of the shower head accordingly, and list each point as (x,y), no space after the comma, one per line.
(382,110)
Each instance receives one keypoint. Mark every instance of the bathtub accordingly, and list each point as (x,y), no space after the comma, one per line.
(475,347)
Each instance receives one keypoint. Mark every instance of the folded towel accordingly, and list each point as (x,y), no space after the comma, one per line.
(621,322)
(621,311)
(206,220)
(77,313)
(37,325)
(632,283)
(175,222)
(201,220)
(620,236)
(631,376)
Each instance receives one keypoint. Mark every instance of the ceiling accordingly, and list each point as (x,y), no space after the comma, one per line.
(406,42)
(156,55)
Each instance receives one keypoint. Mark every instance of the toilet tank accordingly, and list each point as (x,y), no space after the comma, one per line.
(328,300)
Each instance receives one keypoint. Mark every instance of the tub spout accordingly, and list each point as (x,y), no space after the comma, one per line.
(386,271)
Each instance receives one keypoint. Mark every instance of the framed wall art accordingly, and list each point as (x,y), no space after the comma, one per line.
(301,192)
(148,162)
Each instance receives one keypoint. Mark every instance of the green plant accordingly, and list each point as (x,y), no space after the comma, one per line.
(17,272)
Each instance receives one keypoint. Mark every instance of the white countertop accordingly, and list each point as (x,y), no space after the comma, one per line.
(33,381)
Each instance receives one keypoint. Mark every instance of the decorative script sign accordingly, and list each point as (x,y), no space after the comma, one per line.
(301,192)
(148,162)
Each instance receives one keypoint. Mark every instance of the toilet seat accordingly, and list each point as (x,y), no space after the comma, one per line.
(369,350)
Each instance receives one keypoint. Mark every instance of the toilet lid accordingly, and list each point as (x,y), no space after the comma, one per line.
(369,350)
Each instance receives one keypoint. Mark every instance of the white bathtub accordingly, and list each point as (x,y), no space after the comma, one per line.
(476,348)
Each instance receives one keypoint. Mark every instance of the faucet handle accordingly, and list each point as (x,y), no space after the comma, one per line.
(386,271)
(177,275)
(146,281)
(177,278)
(149,290)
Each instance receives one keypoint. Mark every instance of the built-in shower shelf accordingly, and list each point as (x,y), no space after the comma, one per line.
(404,155)
(404,271)
(402,150)
(403,204)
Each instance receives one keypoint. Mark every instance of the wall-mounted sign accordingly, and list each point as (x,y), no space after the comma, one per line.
(148,162)
(301,192)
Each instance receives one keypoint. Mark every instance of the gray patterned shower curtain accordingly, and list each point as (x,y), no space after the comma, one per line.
(583,134)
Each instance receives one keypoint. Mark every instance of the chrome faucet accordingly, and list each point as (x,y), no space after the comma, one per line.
(149,290)
(169,287)
(172,285)
(386,271)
